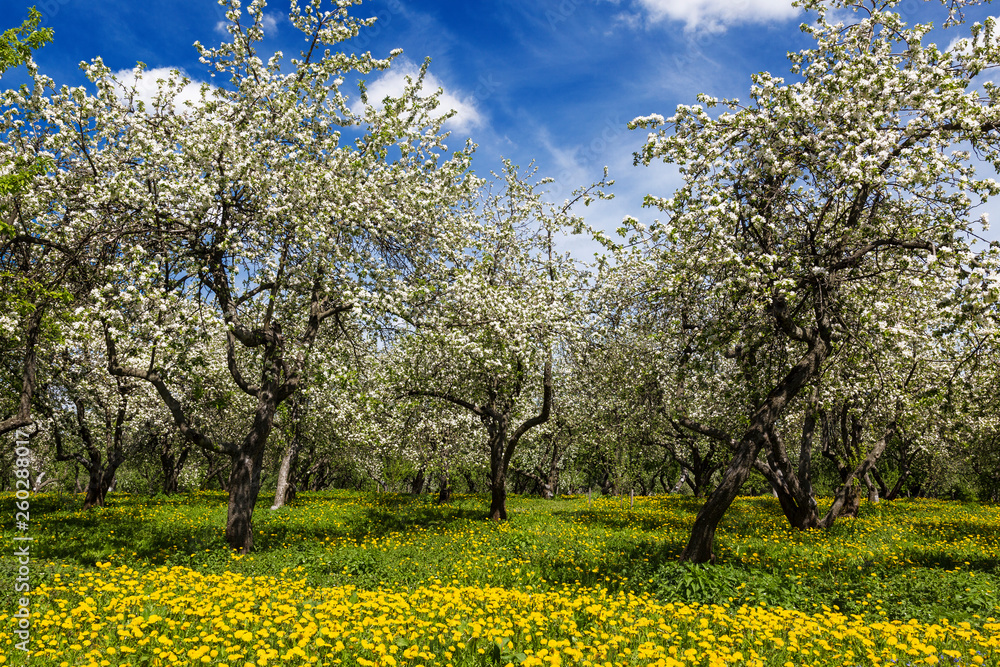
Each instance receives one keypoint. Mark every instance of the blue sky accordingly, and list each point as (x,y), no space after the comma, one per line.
(551,81)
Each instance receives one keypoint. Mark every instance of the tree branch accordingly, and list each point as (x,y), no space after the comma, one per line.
(60,454)
(537,420)
(176,410)
(475,409)
(234,370)
(860,253)
(714,433)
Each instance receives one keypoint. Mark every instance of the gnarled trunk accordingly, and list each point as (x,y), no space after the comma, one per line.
(793,489)
(700,546)
(244,479)
(95,489)
(99,484)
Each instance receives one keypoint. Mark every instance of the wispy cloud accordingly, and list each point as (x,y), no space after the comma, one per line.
(147,88)
(269,24)
(393,83)
(718,15)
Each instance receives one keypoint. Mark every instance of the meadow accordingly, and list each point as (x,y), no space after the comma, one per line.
(374,579)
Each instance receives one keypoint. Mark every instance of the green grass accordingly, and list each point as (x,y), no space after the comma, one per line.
(921,559)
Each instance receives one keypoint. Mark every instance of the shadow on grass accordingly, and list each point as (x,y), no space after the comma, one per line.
(940,560)
(378,522)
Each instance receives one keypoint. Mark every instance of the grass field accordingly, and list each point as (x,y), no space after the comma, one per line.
(364,579)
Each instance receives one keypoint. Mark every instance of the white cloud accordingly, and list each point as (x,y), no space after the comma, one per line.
(147,87)
(393,83)
(269,25)
(718,15)
(631,20)
(962,46)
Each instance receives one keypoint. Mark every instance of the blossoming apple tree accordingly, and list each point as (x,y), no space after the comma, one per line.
(483,332)
(798,206)
(267,203)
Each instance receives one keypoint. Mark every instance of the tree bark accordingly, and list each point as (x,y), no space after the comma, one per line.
(29,371)
(846,499)
(172,465)
(285,490)
(800,510)
(700,545)
(95,489)
(882,488)
(498,472)
(417,485)
(793,489)
(444,493)
(873,496)
(244,485)
(245,476)
(99,484)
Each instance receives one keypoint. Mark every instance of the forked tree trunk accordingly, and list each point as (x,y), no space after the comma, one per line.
(847,501)
(700,546)
(798,506)
(698,467)
(793,489)
(100,476)
(495,416)
(280,378)
(99,484)
(801,514)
